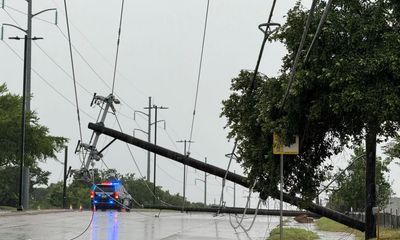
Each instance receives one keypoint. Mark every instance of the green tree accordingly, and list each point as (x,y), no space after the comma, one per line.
(348,91)
(79,189)
(350,193)
(40,146)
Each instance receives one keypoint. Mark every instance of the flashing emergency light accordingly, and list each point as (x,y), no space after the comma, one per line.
(109,183)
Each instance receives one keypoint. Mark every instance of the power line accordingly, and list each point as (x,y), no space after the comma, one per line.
(47,82)
(298,54)
(318,32)
(267,33)
(199,74)
(119,38)
(73,71)
(48,56)
(62,69)
(137,166)
(80,55)
(24,13)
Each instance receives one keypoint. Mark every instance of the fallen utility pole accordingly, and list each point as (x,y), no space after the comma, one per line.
(243,181)
(233,210)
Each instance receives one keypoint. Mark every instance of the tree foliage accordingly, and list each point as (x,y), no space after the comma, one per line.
(78,191)
(350,193)
(40,146)
(349,86)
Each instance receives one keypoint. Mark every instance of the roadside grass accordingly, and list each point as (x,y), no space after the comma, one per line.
(293,234)
(7,208)
(328,225)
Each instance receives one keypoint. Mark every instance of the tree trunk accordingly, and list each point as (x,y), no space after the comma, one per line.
(243,181)
(370,185)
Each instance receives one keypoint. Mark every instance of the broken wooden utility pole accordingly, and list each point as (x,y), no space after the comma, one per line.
(296,201)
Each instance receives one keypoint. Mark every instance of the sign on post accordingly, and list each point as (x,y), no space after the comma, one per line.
(289,148)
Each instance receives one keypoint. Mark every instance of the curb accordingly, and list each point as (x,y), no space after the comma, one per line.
(32,212)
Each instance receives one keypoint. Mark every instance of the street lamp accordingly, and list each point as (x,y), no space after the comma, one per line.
(23,125)
(26,85)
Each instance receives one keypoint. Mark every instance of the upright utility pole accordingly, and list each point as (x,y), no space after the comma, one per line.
(281,199)
(148,133)
(23,127)
(205,184)
(149,140)
(26,96)
(156,108)
(234,192)
(29,56)
(65,178)
(184,170)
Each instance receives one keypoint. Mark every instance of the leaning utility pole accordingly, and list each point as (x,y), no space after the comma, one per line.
(184,169)
(156,108)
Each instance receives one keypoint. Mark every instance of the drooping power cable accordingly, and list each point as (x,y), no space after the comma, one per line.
(73,70)
(319,29)
(118,41)
(299,51)
(199,74)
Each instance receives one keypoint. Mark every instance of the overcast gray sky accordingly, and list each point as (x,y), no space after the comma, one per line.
(159,57)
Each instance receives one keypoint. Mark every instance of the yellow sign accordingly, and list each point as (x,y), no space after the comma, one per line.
(286,149)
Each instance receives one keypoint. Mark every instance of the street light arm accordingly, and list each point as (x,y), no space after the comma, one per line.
(137,111)
(165,123)
(10,25)
(46,10)
(198,179)
(140,130)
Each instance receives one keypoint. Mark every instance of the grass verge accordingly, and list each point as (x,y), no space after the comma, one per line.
(293,234)
(325,224)
(7,208)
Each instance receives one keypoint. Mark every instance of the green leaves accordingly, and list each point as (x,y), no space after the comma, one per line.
(352,80)
(39,144)
(350,191)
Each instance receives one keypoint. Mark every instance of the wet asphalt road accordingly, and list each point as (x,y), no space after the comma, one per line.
(113,225)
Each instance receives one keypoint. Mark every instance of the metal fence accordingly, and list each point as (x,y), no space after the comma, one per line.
(389,218)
